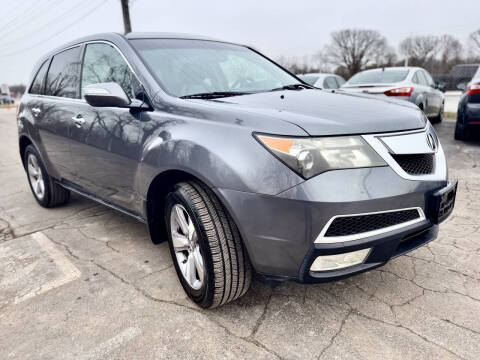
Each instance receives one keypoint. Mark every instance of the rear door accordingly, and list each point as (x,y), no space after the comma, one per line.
(423,89)
(435,95)
(58,104)
(107,145)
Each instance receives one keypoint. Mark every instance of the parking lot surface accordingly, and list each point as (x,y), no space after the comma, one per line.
(85,282)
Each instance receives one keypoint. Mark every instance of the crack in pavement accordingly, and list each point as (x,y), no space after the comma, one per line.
(150,297)
(332,339)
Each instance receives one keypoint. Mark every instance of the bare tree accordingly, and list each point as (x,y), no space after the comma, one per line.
(475,42)
(304,64)
(354,49)
(420,50)
(451,50)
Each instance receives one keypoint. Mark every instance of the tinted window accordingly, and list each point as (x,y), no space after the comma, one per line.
(309,79)
(62,78)
(103,63)
(330,83)
(39,81)
(379,76)
(186,67)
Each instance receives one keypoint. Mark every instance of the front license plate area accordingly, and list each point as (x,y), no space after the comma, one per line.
(443,202)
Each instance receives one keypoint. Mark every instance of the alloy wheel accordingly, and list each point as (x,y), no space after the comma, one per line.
(186,247)
(36,177)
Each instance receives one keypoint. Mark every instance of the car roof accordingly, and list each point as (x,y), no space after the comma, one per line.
(167,35)
(113,36)
(319,74)
(395,68)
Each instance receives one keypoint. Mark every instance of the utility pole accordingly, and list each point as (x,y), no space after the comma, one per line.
(126,16)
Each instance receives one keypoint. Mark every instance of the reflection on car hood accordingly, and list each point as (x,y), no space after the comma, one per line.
(321,112)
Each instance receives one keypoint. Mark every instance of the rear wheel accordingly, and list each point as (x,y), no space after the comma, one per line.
(461,132)
(46,192)
(438,119)
(210,259)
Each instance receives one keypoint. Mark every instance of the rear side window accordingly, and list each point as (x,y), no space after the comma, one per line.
(422,80)
(428,78)
(330,83)
(38,84)
(63,74)
(103,63)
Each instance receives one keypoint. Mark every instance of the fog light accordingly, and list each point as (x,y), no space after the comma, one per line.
(339,261)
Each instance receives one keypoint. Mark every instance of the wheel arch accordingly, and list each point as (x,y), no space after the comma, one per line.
(23,142)
(157,191)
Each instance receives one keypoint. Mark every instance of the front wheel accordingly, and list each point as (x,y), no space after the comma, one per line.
(210,259)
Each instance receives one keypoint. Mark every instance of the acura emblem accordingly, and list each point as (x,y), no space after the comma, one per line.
(431,142)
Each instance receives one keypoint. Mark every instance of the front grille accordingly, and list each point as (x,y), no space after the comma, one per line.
(351,225)
(415,164)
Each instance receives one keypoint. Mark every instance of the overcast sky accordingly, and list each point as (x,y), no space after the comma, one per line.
(29,28)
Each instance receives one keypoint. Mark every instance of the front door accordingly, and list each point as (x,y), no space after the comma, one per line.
(106,142)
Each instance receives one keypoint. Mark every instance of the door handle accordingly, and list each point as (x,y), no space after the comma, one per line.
(78,120)
(36,111)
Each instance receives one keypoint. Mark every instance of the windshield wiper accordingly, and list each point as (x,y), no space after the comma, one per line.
(294,87)
(214,94)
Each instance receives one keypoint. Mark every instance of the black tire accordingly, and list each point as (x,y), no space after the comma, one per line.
(54,194)
(228,272)
(461,131)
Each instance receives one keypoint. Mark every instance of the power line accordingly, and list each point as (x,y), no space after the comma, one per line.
(28,17)
(60,18)
(58,32)
(14,15)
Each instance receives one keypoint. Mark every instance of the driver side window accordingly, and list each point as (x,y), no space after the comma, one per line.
(103,63)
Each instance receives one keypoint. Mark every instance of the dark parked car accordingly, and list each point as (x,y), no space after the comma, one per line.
(468,114)
(404,83)
(236,162)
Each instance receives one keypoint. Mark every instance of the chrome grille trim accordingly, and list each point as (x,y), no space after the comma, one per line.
(322,239)
(440,169)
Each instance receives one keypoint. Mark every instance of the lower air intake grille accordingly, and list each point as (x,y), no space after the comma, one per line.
(415,164)
(351,225)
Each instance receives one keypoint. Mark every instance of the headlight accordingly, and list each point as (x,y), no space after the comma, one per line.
(312,156)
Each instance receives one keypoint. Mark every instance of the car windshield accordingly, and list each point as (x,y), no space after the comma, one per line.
(309,79)
(379,76)
(188,67)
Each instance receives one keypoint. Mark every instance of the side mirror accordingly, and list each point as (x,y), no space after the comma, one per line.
(106,95)
(440,86)
(462,86)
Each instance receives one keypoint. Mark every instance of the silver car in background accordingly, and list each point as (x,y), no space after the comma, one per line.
(322,80)
(413,84)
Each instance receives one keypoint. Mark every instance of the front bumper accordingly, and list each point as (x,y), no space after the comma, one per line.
(279,231)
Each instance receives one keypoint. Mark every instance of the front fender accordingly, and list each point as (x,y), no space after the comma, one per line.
(221,154)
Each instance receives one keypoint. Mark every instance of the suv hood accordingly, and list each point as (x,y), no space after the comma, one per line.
(321,112)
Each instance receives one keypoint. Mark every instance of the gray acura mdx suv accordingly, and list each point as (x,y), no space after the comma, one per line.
(238,163)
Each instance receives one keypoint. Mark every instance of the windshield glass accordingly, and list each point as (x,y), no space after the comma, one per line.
(379,76)
(187,67)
